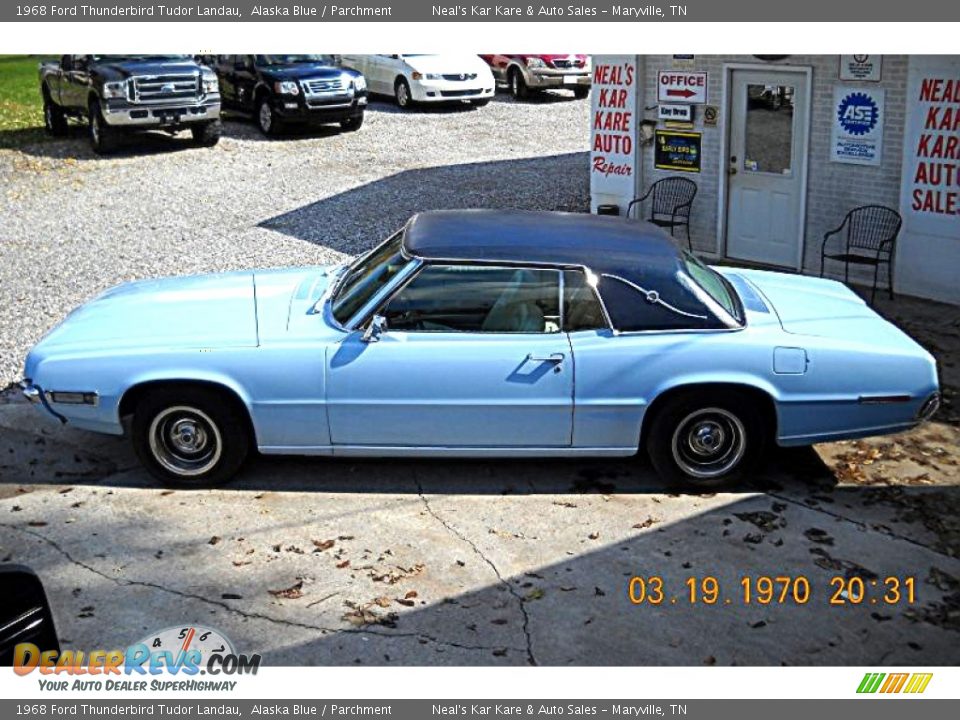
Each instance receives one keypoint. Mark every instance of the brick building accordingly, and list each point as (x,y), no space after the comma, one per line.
(781,147)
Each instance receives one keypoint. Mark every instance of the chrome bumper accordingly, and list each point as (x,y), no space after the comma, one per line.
(557,78)
(161,115)
(31,393)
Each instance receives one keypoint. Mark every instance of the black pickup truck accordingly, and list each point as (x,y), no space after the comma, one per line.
(123,93)
(277,90)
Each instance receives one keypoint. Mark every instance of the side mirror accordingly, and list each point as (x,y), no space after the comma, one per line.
(376,328)
(25,615)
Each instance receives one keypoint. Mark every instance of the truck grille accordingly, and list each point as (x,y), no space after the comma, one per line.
(315,87)
(165,88)
(567,64)
(458,77)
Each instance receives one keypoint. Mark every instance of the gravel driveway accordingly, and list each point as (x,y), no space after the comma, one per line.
(72,224)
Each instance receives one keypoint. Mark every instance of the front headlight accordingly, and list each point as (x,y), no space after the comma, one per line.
(210,84)
(116,89)
(359,83)
(286,87)
(534,62)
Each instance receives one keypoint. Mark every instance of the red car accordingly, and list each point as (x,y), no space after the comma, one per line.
(526,74)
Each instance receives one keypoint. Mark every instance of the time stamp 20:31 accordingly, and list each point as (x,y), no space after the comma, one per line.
(774,590)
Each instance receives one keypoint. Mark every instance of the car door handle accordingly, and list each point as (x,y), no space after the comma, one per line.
(552,358)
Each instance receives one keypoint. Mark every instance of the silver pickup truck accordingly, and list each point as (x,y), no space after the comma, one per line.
(122,93)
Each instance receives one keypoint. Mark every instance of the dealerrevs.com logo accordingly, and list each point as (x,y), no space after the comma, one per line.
(887,683)
(175,651)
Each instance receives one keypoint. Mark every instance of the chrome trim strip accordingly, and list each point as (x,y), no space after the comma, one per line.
(653,297)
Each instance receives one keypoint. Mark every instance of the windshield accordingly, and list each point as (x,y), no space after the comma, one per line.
(120,58)
(294,59)
(714,284)
(367,275)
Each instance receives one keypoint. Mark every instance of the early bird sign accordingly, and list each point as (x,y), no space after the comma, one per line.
(679,86)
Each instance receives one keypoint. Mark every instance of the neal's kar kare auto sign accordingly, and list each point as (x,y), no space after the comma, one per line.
(613,123)
(857,131)
(933,167)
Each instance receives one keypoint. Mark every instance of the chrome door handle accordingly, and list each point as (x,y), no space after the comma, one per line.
(553,358)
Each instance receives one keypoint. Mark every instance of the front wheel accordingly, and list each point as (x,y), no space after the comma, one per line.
(207,134)
(401,93)
(352,124)
(518,85)
(104,139)
(266,118)
(190,437)
(705,439)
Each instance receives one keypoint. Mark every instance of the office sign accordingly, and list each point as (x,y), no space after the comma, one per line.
(675,150)
(682,86)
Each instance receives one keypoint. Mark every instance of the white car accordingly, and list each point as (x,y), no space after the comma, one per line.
(413,79)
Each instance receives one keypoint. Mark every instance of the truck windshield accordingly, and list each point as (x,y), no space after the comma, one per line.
(294,59)
(367,275)
(121,58)
(714,284)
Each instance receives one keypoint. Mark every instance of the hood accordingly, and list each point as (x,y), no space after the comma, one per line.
(446,64)
(128,68)
(286,300)
(824,308)
(201,311)
(300,71)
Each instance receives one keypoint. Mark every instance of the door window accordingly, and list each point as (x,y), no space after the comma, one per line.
(459,298)
(768,129)
(581,308)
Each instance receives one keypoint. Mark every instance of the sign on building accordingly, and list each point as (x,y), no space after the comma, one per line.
(682,86)
(613,124)
(857,127)
(675,150)
(862,68)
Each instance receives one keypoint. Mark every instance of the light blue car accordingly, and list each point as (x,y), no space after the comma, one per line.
(481,333)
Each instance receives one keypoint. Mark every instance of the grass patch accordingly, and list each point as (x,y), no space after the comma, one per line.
(21,110)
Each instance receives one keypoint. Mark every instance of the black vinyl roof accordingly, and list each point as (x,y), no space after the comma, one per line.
(606,244)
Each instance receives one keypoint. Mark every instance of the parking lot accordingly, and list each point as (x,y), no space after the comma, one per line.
(335,561)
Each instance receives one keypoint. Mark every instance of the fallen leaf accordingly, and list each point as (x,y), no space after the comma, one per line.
(344,564)
(322,545)
(291,593)
(213,541)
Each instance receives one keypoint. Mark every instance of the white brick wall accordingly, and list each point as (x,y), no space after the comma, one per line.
(833,188)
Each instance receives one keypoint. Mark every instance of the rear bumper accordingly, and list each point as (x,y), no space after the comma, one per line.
(160,115)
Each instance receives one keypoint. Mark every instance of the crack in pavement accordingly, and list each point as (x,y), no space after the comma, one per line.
(859,523)
(245,613)
(531,659)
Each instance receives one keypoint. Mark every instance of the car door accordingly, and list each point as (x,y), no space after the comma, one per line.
(472,357)
(245,82)
(76,82)
(226,72)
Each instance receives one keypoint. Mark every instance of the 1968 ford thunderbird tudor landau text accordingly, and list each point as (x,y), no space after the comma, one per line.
(482,333)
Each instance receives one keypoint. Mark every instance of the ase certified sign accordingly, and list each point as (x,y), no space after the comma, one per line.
(678,86)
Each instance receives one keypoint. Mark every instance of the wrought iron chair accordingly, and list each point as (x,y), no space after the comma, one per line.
(671,200)
(871,239)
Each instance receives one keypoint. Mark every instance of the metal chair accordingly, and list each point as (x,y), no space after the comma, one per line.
(671,200)
(871,239)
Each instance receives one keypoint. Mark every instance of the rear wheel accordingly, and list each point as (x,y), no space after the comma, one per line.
(207,134)
(706,439)
(190,437)
(103,138)
(54,118)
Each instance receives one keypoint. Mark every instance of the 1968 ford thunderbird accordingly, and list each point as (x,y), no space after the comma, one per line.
(479,333)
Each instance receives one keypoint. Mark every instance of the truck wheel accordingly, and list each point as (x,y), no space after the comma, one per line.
(581,92)
(207,134)
(401,93)
(267,119)
(705,439)
(352,124)
(103,138)
(190,437)
(518,86)
(54,118)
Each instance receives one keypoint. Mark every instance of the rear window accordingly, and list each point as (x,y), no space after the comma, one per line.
(714,284)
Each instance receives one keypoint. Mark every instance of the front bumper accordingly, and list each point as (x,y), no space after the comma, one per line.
(144,115)
(554,78)
(449,90)
(329,109)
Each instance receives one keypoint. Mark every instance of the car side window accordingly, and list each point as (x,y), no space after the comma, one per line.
(581,308)
(675,307)
(477,299)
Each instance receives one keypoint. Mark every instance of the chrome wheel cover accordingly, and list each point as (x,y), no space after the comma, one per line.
(403,96)
(266,117)
(185,441)
(708,442)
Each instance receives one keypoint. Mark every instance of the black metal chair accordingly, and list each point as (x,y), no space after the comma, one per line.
(671,200)
(871,239)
